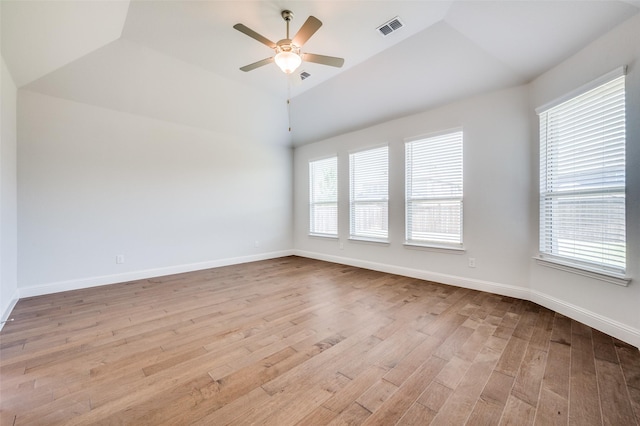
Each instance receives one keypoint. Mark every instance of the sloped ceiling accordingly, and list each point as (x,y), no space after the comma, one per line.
(40,37)
(178,60)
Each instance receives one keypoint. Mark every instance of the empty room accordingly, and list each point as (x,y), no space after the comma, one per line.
(320,212)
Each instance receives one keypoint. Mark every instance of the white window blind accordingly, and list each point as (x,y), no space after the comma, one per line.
(369,188)
(323,197)
(433,187)
(582,179)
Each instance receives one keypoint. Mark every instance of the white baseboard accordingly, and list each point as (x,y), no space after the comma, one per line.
(56,287)
(606,325)
(7,311)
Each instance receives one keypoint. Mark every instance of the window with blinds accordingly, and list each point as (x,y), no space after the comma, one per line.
(323,197)
(433,187)
(582,178)
(369,194)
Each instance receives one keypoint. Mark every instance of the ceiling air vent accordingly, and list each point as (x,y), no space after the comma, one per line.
(388,27)
(304,75)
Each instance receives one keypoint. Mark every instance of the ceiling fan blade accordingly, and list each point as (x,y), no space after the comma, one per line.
(310,26)
(324,60)
(254,35)
(258,64)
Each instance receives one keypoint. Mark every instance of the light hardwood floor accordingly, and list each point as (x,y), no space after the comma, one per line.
(297,341)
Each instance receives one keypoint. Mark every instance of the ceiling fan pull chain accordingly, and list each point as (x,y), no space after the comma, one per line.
(289,104)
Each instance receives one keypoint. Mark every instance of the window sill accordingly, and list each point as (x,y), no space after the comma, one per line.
(436,248)
(323,236)
(609,277)
(368,241)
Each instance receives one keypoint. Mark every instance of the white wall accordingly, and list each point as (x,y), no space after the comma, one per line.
(8,199)
(496,187)
(618,306)
(94,183)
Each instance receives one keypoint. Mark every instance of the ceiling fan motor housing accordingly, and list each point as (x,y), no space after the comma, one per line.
(286,46)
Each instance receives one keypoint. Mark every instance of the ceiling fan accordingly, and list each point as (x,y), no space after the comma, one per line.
(288,56)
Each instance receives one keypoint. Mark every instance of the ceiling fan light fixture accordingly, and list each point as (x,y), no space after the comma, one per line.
(288,58)
(287,51)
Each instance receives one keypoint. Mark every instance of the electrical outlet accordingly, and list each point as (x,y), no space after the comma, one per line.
(120,259)
(256,243)
(472,262)
(341,245)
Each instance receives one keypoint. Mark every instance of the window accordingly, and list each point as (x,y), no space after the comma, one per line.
(369,172)
(323,197)
(433,187)
(582,178)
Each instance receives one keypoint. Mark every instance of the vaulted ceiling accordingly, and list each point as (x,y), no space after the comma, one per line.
(179,60)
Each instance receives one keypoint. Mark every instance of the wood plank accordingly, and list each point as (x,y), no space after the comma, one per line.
(417,414)
(634,396)
(388,353)
(628,357)
(391,410)
(512,356)
(235,409)
(584,399)
(319,416)
(557,373)
(434,396)
(485,413)
(615,403)
(604,348)
(359,385)
(553,406)
(524,328)
(405,368)
(476,342)
(517,413)
(489,407)
(354,414)
(376,395)
(460,404)
(553,409)
(453,372)
(542,330)
(453,343)
(498,388)
(527,384)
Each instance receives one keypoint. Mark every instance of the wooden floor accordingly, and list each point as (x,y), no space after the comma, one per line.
(297,341)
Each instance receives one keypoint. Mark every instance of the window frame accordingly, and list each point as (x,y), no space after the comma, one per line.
(549,198)
(456,135)
(353,202)
(313,202)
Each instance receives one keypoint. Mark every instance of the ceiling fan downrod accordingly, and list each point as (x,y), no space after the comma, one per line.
(287,15)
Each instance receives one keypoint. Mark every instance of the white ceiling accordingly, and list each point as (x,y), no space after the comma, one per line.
(96,51)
